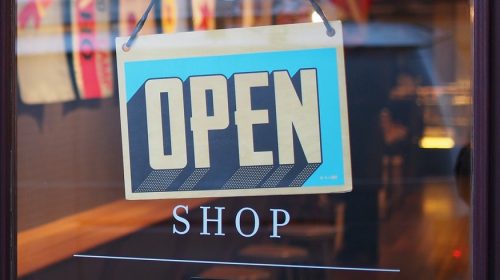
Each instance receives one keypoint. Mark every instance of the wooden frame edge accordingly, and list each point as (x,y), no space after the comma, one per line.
(483,119)
(7,141)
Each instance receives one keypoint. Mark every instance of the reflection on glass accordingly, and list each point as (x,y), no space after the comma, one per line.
(408,67)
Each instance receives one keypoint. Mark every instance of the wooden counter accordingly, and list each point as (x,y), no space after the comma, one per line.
(50,243)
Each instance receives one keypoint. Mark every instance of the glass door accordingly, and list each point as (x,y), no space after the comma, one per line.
(408,103)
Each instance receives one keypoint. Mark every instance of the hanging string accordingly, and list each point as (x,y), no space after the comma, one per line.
(329,29)
(126,47)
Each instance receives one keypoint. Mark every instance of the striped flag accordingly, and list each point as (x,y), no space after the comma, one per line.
(91,43)
(203,12)
(42,65)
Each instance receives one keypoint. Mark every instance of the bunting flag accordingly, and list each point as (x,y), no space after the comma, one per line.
(130,12)
(91,44)
(248,13)
(203,12)
(264,12)
(42,64)
(169,16)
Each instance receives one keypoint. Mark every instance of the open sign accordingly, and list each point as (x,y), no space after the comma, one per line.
(294,113)
(226,113)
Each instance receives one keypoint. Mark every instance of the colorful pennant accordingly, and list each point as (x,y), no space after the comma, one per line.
(203,12)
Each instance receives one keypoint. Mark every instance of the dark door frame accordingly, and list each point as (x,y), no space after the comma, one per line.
(7,140)
(486,140)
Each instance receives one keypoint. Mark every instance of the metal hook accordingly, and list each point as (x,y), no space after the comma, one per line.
(126,47)
(329,29)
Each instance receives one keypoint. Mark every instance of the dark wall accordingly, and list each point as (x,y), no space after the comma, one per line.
(69,159)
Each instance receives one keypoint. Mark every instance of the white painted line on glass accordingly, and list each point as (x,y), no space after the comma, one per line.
(237,263)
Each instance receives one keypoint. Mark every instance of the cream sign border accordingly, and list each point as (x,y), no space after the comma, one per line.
(226,42)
